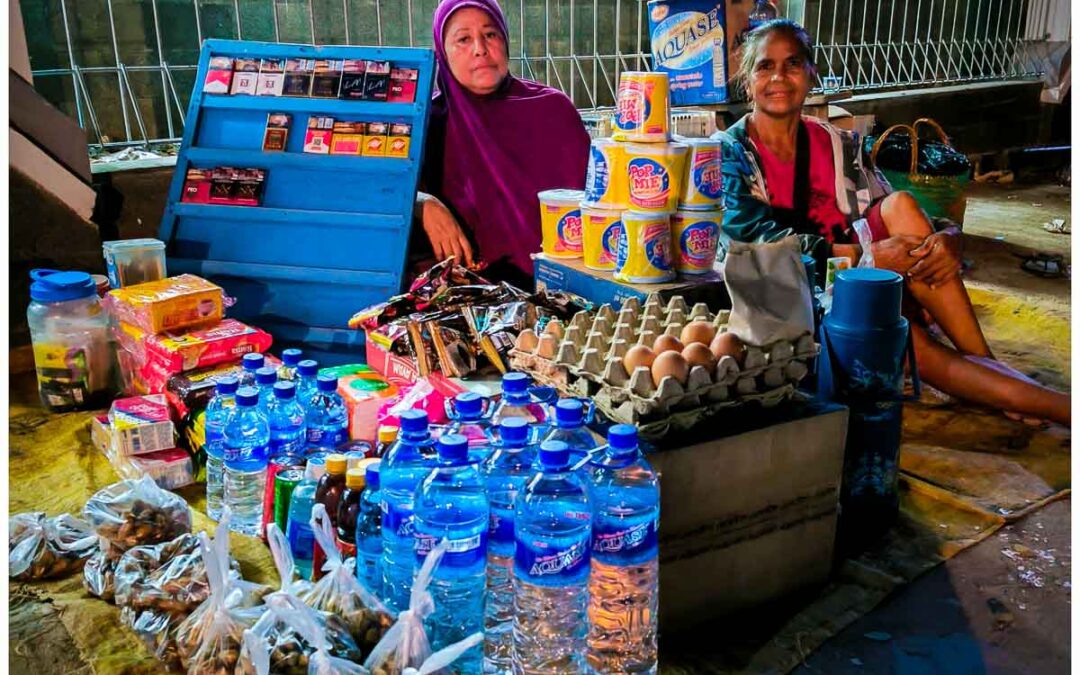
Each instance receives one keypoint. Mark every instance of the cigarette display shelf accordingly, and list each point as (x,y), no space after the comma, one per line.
(331,232)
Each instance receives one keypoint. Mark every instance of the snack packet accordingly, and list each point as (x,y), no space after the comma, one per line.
(184,301)
(40,547)
(227,341)
(136,512)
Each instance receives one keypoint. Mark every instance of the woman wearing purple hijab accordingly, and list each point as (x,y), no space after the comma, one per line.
(494,142)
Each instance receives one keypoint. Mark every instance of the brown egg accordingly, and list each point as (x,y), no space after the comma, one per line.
(667,343)
(670,363)
(638,355)
(728,344)
(698,331)
(697,354)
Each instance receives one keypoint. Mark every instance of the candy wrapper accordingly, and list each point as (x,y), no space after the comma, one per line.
(176,303)
(339,592)
(288,652)
(40,547)
(136,512)
(422,293)
(209,639)
(193,390)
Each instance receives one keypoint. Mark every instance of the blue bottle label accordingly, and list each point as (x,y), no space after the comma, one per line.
(616,540)
(302,542)
(330,438)
(255,454)
(286,445)
(399,520)
(501,526)
(539,560)
(461,552)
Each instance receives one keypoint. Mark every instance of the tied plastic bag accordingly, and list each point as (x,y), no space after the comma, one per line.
(208,641)
(291,610)
(406,644)
(99,574)
(287,651)
(169,577)
(40,547)
(156,630)
(770,294)
(136,512)
(445,656)
(256,651)
(339,592)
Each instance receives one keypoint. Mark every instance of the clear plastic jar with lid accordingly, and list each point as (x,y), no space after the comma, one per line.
(73,351)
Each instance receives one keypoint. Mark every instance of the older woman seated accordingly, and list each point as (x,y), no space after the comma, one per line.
(785,174)
(494,142)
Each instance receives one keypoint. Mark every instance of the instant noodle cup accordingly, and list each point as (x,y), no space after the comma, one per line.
(601,231)
(642,108)
(605,180)
(644,252)
(560,221)
(694,237)
(702,180)
(654,175)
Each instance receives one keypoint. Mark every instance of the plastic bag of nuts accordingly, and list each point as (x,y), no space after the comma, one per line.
(99,575)
(40,547)
(208,641)
(339,592)
(134,513)
(292,611)
(168,577)
(156,630)
(288,652)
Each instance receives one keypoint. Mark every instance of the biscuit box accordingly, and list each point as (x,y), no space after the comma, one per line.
(689,43)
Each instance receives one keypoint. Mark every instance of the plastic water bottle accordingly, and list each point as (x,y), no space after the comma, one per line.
(624,579)
(288,428)
(307,372)
(298,530)
(451,505)
(469,419)
(369,532)
(250,363)
(217,411)
(570,429)
(505,473)
(327,417)
(516,401)
(265,378)
(552,533)
(406,464)
(290,359)
(247,446)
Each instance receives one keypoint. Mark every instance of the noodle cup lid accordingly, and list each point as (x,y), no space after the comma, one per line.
(561,197)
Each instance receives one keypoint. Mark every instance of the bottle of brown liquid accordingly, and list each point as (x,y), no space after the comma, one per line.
(348,509)
(387,436)
(328,493)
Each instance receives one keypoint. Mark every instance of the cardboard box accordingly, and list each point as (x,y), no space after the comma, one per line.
(750,517)
(573,277)
(141,424)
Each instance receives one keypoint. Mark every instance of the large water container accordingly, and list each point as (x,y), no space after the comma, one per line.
(864,342)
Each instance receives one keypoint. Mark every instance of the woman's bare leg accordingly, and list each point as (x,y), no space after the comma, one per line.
(973,379)
(948,304)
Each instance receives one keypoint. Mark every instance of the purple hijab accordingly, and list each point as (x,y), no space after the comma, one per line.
(490,155)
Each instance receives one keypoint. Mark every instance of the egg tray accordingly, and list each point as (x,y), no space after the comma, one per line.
(586,361)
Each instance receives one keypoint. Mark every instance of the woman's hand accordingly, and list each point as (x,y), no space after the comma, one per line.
(447,237)
(938,258)
(896,253)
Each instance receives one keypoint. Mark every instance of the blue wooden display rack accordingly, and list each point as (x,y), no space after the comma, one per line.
(331,235)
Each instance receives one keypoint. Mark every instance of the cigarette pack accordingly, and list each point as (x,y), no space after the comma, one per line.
(327,80)
(223,181)
(196,186)
(348,138)
(249,187)
(352,79)
(398,142)
(377,80)
(271,77)
(245,76)
(319,133)
(297,77)
(277,131)
(375,139)
(218,75)
(141,424)
(403,85)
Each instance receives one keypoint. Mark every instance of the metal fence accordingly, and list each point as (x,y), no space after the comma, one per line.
(125,68)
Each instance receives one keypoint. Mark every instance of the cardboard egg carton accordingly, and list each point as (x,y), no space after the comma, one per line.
(585,358)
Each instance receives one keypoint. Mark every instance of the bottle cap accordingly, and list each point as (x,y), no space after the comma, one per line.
(569,413)
(355,479)
(265,375)
(387,434)
(516,384)
(316,467)
(54,286)
(308,368)
(253,361)
(453,449)
(284,390)
(622,438)
(327,383)
(469,405)
(414,422)
(336,463)
(247,396)
(514,432)
(554,456)
(371,474)
(227,385)
(291,357)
